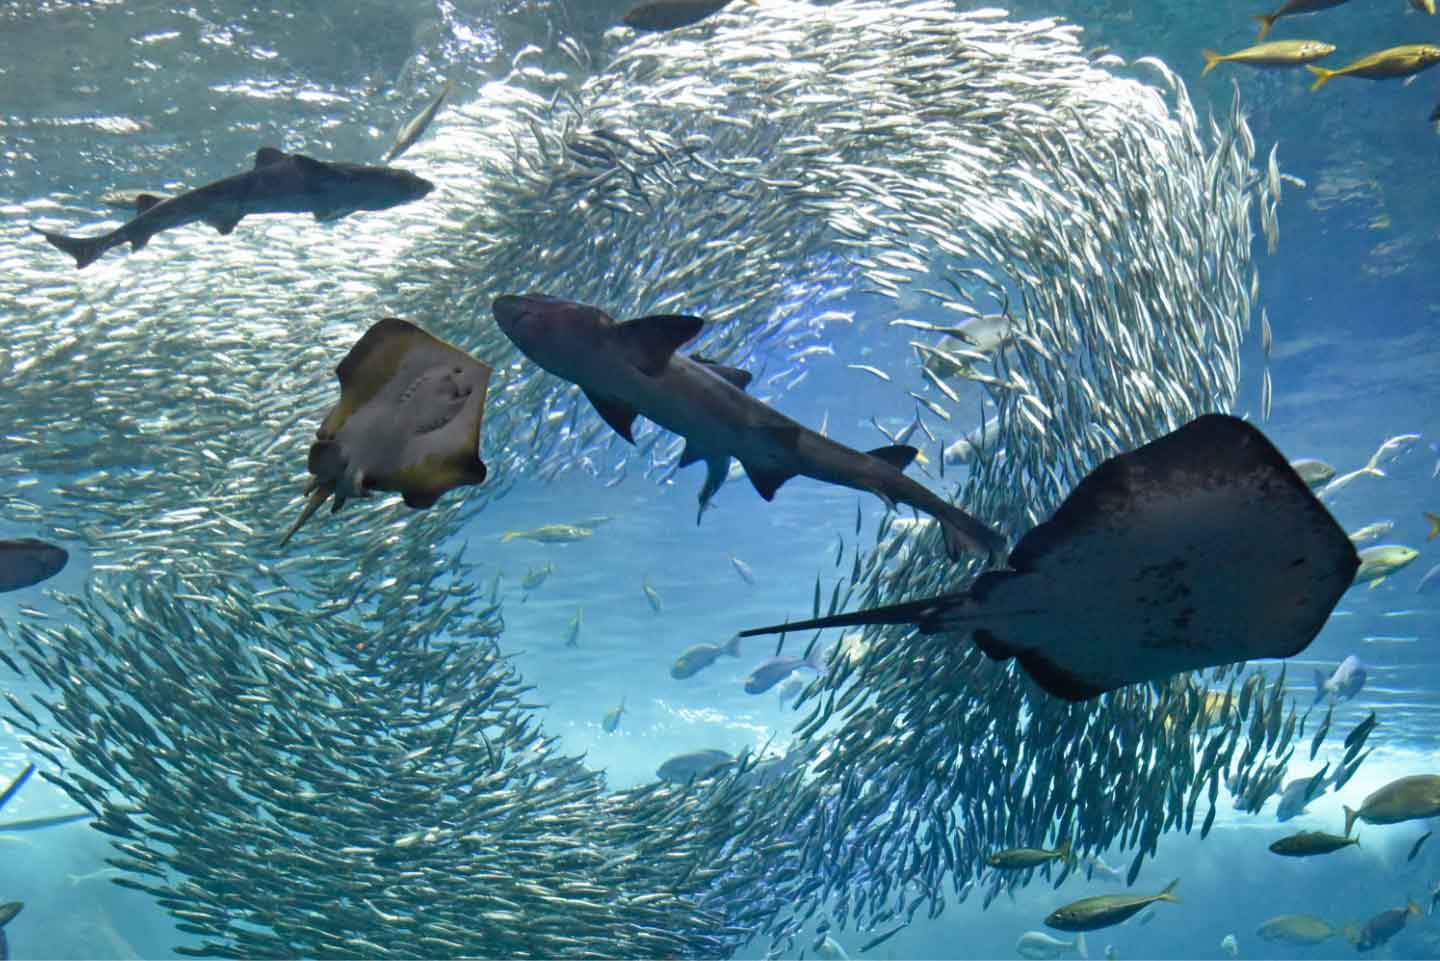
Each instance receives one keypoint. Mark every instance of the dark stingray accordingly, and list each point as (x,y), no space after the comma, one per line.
(1198,549)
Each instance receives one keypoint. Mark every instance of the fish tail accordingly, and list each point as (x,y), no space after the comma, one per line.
(1066,854)
(1434,520)
(1168,894)
(732,646)
(1212,60)
(1413,909)
(1081,948)
(1352,933)
(1322,77)
(508,536)
(317,497)
(966,535)
(1319,688)
(1266,21)
(1350,816)
(85,250)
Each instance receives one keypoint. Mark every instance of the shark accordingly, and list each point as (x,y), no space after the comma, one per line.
(278,183)
(633,368)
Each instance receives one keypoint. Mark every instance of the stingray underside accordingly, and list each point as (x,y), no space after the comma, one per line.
(408,420)
(1199,549)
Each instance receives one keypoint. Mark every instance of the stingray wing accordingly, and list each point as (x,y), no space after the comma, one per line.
(1199,549)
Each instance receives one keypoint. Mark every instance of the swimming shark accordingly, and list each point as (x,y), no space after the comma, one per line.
(278,183)
(633,368)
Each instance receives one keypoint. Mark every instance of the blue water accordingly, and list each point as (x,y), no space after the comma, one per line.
(98,95)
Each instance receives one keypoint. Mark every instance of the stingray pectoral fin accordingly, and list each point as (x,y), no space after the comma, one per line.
(372,363)
(317,497)
(650,341)
(1055,680)
(618,414)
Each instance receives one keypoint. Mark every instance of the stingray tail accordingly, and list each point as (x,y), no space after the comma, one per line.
(85,250)
(317,497)
(919,613)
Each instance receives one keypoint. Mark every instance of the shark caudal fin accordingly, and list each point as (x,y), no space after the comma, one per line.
(85,250)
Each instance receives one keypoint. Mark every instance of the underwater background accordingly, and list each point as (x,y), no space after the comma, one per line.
(118,381)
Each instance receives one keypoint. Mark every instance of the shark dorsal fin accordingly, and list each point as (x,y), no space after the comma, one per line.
(651,340)
(618,414)
(266,156)
(898,456)
(144,202)
(736,376)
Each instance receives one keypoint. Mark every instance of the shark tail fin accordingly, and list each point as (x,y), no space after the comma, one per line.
(966,535)
(85,250)
(1434,520)
(1212,60)
(1081,948)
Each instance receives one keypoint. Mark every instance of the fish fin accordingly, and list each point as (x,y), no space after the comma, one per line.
(1066,852)
(85,250)
(736,376)
(1319,688)
(1168,894)
(1212,60)
(266,156)
(420,499)
(1434,520)
(508,536)
(690,455)
(144,202)
(1351,933)
(1412,908)
(766,482)
(1081,948)
(1322,77)
(618,414)
(1376,583)
(1266,21)
(224,224)
(651,340)
(993,647)
(1350,815)
(732,646)
(1053,679)
(898,456)
(317,497)
(717,469)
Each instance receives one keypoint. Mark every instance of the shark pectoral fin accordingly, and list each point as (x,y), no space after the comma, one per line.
(736,376)
(224,224)
(144,202)
(266,156)
(616,413)
(649,341)
(716,470)
(690,455)
(766,481)
(898,456)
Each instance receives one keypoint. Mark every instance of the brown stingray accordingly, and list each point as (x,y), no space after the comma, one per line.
(1198,549)
(408,421)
